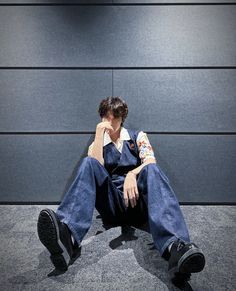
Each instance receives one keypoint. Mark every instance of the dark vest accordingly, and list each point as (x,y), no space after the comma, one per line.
(118,164)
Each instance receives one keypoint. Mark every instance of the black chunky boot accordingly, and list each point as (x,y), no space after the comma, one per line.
(185,258)
(56,237)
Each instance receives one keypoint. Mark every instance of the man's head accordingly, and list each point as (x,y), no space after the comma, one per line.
(113,109)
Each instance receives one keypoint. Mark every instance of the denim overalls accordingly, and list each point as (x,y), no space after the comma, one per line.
(101,186)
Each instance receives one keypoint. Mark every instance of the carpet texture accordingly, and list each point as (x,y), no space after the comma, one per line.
(112,261)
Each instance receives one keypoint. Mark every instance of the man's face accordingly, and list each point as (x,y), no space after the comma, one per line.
(115,122)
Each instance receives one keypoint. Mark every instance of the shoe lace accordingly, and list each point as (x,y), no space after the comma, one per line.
(180,245)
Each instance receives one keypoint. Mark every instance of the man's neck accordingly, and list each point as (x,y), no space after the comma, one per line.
(116,136)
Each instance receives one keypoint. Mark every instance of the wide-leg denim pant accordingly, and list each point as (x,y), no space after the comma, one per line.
(157,203)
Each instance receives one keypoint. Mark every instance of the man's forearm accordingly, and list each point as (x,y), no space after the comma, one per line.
(97,150)
(139,168)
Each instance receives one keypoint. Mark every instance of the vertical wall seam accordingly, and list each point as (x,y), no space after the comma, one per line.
(112,82)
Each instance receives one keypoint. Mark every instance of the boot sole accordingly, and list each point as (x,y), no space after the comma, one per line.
(48,233)
(192,261)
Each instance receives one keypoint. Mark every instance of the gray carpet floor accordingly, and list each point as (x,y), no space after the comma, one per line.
(110,261)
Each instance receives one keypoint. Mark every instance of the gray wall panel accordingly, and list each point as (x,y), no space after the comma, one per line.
(52,100)
(201,168)
(179,100)
(171,100)
(118,35)
(39,167)
(42,167)
(97,39)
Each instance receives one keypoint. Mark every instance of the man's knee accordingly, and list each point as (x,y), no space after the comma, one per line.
(150,170)
(91,160)
(156,169)
(148,167)
(88,158)
(96,165)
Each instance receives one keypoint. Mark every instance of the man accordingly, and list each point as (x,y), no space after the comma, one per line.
(121,179)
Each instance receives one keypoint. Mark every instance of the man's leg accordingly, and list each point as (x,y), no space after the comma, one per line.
(167,223)
(166,220)
(91,188)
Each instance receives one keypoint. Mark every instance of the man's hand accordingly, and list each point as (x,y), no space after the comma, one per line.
(105,125)
(130,190)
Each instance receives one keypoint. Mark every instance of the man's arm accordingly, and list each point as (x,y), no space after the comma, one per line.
(96,148)
(150,160)
(146,152)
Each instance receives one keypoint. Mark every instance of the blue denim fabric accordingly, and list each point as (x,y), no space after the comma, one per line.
(94,187)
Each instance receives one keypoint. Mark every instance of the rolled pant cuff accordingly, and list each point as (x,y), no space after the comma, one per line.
(166,244)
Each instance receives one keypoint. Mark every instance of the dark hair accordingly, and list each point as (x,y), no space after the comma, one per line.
(116,105)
